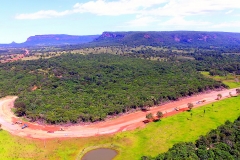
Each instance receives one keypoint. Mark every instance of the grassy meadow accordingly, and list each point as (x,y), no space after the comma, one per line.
(155,138)
(230,80)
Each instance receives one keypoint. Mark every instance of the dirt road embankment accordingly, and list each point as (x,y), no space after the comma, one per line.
(122,123)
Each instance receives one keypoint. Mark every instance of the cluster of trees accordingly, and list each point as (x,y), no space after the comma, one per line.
(220,143)
(73,87)
(7,51)
(215,62)
(148,53)
(150,116)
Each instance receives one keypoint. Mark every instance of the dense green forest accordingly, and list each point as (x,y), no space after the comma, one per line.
(73,87)
(217,63)
(221,143)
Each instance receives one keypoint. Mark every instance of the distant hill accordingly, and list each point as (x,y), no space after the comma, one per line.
(136,38)
(170,38)
(59,39)
(52,39)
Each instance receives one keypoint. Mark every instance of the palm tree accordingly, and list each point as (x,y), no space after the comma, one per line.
(159,114)
(190,106)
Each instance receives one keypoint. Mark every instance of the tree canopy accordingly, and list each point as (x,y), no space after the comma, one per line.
(74,87)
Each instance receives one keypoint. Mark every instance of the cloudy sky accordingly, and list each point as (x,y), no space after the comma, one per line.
(23,18)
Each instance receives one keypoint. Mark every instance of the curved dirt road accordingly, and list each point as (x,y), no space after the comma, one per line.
(122,123)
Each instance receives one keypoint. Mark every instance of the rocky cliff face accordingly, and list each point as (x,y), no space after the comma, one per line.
(182,38)
(157,38)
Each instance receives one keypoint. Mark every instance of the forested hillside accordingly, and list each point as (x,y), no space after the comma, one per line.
(221,143)
(73,87)
(185,39)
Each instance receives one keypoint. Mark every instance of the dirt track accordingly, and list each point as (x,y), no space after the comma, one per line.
(123,123)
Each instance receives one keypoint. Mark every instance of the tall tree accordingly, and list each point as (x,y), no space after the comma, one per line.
(219,96)
(190,106)
(149,116)
(237,91)
(159,114)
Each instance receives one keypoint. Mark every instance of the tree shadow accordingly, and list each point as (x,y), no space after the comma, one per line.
(156,120)
(146,121)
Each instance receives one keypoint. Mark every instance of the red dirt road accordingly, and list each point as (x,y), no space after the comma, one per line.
(126,122)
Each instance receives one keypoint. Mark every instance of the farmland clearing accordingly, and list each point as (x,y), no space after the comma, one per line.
(230,80)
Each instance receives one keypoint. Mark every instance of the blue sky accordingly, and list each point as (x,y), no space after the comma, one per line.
(23,18)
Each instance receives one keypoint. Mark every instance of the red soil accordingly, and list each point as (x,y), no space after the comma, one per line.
(16,57)
(34,88)
(126,122)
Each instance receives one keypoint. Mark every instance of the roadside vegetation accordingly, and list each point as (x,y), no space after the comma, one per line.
(220,143)
(156,137)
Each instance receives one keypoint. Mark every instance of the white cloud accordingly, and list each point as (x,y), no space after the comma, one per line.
(42,14)
(155,7)
(115,8)
(193,7)
(180,21)
(141,22)
(98,7)
(227,24)
(174,22)
(143,8)
(229,12)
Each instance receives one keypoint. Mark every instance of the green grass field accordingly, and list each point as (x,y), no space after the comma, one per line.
(229,80)
(156,138)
